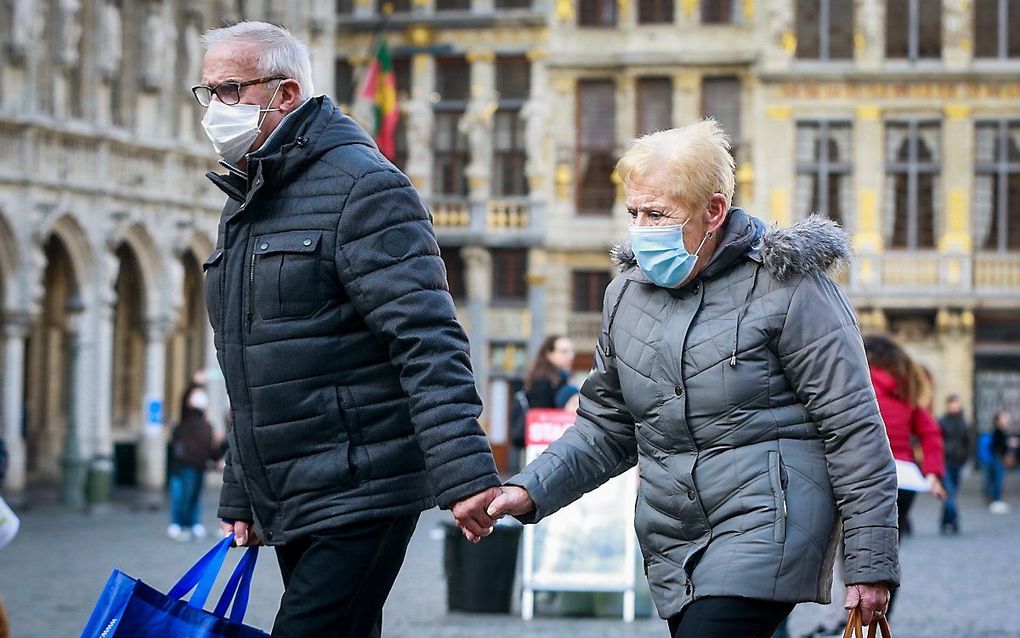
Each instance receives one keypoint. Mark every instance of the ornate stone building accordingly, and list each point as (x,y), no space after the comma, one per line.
(105,220)
(899,118)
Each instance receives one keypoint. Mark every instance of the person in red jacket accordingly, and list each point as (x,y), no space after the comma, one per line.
(899,385)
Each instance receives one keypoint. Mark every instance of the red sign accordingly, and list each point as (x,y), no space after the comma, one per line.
(544,426)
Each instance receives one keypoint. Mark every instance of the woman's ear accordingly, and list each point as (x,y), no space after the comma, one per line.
(718,206)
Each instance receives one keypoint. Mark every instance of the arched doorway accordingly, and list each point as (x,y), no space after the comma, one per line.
(128,379)
(186,346)
(46,369)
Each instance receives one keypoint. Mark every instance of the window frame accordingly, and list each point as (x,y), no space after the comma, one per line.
(913,53)
(607,152)
(508,294)
(1002,169)
(592,280)
(824,26)
(913,169)
(823,168)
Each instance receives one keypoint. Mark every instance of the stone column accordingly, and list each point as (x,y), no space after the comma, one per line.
(686,98)
(536,279)
(869,34)
(152,445)
(478,264)
(100,372)
(958,180)
(477,123)
(15,331)
(777,140)
(868,174)
(955,337)
(420,123)
(958,33)
(536,127)
(364,8)
(626,14)
(215,385)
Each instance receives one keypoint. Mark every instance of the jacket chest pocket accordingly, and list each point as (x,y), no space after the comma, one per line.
(284,275)
(213,268)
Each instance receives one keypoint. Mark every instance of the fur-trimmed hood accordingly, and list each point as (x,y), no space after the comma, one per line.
(813,245)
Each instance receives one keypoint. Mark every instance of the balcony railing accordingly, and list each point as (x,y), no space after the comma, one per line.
(997,273)
(583,329)
(510,218)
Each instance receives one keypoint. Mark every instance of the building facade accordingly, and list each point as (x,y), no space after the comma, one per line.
(899,118)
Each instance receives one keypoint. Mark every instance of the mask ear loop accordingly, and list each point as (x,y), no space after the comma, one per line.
(266,111)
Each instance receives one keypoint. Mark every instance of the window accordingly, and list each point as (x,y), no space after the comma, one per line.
(402,74)
(344,7)
(454,262)
(453,5)
(450,154)
(392,6)
(719,11)
(997,29)
(509,270)
(589,289)
(997,185)
(655,11)
(596,142)
(823,169)
(344,78)
(513,78)
(512,4)
(509,154)
(825,29)
(720,99)
(453,79)
(912,205)
(654,105)
(913,29)
(596,13)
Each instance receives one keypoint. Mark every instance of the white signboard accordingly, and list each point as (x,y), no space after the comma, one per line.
(590,544)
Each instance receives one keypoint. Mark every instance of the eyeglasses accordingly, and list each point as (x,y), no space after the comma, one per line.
(228,92)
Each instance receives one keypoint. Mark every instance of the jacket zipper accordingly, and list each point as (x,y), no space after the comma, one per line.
(251,283)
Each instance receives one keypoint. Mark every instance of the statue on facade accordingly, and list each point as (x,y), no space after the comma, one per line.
(70,32)
(108,56)
(779,22)
(159,37)
(870,22)
(535,114)
(958,22)
(192,53)
(28,22)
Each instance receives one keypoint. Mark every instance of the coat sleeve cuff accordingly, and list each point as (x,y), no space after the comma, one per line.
(233,514)
(453,495)
(872,556)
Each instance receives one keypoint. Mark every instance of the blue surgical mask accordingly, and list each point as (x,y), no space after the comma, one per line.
(661,254)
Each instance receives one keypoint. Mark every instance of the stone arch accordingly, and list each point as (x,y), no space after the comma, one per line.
(75,241)
(152,269)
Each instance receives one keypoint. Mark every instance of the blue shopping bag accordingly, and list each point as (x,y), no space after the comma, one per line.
(130,608)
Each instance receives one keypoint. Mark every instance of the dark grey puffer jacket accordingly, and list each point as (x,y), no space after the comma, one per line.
(746,402)
(348,373)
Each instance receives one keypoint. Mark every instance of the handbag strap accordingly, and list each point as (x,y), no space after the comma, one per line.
(855,628)
(202,575)
(238,587)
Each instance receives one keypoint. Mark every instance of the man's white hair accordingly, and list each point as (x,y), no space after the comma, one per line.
(277,52)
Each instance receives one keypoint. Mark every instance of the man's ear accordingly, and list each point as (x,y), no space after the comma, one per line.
(718,206)
(290,95)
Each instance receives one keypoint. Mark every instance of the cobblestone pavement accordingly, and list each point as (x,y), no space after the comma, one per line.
(51,574)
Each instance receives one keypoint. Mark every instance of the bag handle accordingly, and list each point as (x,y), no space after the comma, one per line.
(238,587)
(855,628)
(202,575)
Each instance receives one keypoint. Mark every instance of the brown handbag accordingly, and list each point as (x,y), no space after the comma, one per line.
(855,629)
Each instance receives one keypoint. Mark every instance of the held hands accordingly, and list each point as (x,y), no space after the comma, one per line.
(477,514)
(871,598)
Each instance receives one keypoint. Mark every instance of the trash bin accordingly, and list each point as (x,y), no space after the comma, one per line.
(480,577)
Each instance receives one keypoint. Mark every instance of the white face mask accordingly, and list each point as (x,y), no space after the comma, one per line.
(199,400)
(232,129)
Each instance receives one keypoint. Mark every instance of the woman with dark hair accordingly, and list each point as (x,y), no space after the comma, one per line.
(900,385)
(550,371)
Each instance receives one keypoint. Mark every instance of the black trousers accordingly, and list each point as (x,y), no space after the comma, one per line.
(729,617)
(336,582)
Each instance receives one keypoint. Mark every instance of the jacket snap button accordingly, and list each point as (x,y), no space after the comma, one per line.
(688,589)
(269,534)
(264,246)
(679,389)
(690,493)
(307,242)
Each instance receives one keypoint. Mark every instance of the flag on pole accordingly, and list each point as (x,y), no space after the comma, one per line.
(380,88)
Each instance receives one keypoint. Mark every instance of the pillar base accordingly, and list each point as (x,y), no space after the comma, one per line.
(72,481)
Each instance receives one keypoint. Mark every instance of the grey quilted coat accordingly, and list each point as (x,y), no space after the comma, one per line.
(745,400)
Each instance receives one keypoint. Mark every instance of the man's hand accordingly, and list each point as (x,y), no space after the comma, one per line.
(471,516)
(871,598)
(514,501)
(244,535)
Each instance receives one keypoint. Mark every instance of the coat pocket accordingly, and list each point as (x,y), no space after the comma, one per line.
(778,480)
(213,269)
(285,275)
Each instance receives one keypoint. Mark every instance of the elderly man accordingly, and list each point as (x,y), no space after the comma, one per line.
(731,370)
(354,406)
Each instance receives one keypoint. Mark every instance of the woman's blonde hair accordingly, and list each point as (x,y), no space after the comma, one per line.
(698,157)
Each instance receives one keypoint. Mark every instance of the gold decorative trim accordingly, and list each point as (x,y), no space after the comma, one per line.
(779,206)
(778,112)
(690,7)
(959,111)
(957,237)
(789,42)
(480,56)
(420,36)
(868,236)
(536,55)
(868,113)
(565,10)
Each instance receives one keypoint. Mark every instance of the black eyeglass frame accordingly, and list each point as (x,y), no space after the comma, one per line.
(214,90)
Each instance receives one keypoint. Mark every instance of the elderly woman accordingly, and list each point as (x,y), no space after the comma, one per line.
(731,370)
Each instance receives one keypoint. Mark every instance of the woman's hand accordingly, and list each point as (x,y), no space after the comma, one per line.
(514,501)
(938,490)
(871,598)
